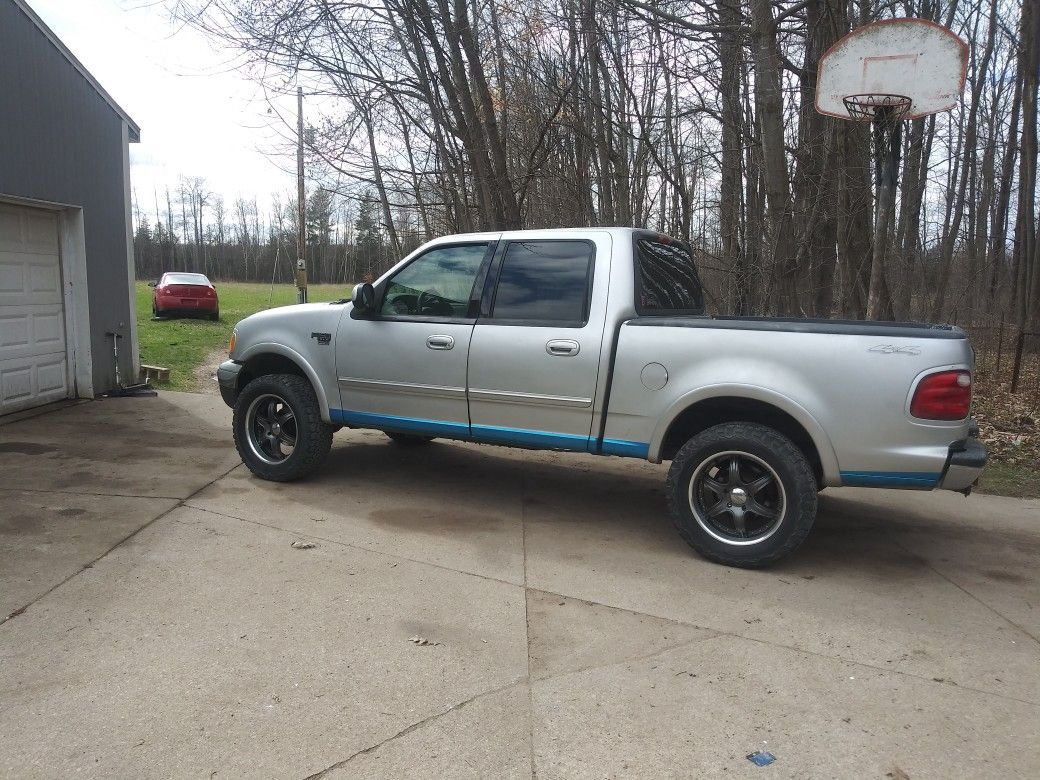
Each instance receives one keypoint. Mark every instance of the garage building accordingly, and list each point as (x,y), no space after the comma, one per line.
(66,248)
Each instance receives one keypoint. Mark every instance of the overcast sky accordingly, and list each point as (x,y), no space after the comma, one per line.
(197,116)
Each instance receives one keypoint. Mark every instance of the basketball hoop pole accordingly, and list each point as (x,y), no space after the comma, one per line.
(885,111)
(888,174)
(887,129)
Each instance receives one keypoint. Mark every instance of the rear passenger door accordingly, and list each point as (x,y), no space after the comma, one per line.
(535,353)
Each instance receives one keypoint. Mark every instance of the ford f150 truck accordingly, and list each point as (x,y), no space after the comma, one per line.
(596,341)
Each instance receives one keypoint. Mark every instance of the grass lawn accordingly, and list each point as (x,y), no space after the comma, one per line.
(182,344)
(1009,479)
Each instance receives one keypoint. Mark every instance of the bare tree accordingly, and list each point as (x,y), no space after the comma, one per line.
(694,117)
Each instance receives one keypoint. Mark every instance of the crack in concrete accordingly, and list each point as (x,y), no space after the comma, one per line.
(969,594)
(882,669)
(409,729)
(720,632)
(589,603)
(838,659)
(89,565)
(107,495)
(630,659)
(353,546)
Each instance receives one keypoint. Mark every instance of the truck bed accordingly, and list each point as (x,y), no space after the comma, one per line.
(847,383)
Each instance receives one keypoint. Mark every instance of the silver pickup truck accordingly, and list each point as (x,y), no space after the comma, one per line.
(596,341)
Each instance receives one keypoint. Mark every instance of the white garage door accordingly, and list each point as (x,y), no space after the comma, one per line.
(33,370)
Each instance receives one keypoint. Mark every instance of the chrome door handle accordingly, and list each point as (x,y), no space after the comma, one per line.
(562,348)
(440,342)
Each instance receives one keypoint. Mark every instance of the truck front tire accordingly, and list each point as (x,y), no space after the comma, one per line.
(278,428)
(742,494)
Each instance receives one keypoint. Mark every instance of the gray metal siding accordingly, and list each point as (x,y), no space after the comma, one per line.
(60,141)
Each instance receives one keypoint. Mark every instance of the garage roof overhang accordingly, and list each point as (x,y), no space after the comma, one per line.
(135,131)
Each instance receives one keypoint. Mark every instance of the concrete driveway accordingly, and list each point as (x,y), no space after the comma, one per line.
(163,625)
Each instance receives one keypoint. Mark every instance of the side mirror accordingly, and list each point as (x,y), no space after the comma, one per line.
(153,284)
(364,298)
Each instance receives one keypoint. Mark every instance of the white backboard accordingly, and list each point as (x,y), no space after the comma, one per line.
(912,57)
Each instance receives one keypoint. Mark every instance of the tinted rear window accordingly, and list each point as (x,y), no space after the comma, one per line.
(544,281)
(185,279)
(666,279)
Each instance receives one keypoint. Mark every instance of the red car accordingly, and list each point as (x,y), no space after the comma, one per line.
(183,293)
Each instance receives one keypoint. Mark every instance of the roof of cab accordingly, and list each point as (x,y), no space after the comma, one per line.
(540,232)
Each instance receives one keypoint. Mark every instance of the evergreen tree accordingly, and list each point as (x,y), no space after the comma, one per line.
(368,239)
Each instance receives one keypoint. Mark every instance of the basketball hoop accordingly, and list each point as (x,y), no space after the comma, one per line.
(882,106)
(886,73)
(886,63)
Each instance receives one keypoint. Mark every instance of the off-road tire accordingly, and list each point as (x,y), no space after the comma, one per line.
(780,453)
(313,435)
(408,439)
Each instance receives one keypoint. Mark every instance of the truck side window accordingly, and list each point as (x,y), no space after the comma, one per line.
(544,281)
(437,284)
(666,279)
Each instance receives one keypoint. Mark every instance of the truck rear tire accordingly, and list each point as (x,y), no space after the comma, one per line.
(408,439)
(742,494)
(278,428)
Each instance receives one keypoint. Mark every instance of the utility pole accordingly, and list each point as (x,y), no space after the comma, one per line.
(301,206)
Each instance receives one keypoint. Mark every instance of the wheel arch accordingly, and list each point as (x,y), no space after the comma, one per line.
(269,358)
(701,409)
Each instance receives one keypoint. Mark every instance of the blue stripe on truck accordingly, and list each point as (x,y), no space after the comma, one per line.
(391,422)
(626,449)
(492,434)
(889,478)
(558,441)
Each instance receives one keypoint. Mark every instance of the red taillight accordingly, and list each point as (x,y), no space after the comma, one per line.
(945,395)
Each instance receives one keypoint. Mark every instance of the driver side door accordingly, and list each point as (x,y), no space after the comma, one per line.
(403,367)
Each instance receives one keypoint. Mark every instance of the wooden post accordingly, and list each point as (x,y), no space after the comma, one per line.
(301,206)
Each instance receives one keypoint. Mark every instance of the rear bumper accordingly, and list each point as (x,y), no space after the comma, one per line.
(186,305)
(964,465)
(227,380)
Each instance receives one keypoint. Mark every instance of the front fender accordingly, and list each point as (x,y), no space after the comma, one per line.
(271,348)
(820,439)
